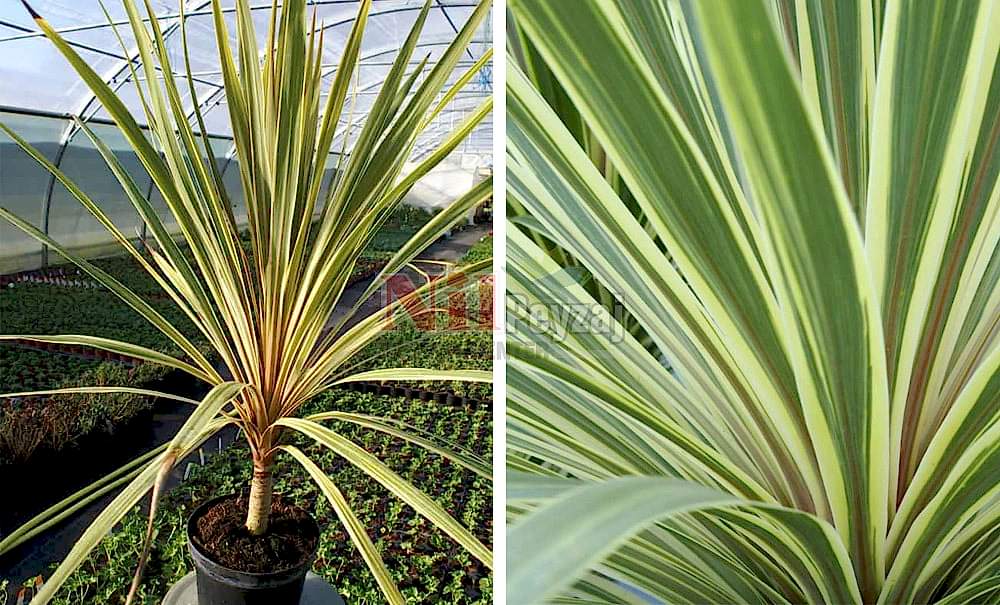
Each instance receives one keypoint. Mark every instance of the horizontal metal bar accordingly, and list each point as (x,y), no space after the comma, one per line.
(199,13)
(41,113)
(461,63)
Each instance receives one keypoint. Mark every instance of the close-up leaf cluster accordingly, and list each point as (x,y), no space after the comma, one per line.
(781,219)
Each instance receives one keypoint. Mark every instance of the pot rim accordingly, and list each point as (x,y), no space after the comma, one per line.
(195,549)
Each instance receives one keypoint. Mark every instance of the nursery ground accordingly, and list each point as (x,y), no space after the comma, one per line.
(428,566)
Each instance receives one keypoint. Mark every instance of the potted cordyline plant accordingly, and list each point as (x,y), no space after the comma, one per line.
(786,216)
(264,310)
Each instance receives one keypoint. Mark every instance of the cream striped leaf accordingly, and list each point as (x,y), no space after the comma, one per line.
(818,268)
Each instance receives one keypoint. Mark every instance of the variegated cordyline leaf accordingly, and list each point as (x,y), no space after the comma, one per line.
(788,214)
(114,346)
(453,451)
(264,312)
(402,488)
(546,178)
(354,528)
(724,295)
(834,47)
(816,261)
(584,522)
(559,319)
(66,507)
(931,217)
(204,423)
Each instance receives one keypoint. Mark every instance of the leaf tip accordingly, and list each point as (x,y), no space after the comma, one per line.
(34,14)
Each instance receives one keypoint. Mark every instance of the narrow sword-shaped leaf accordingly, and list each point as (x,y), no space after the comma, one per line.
(836,52)
(832,329)
(422,503)
(453,451)
(968,489)
(554,546)
(98,391)
(584,522)
(68,506)
(549,174)
(126,295)
(975,411)
(920,160)
(592,51)
(353,526)
(115,346)
(418,374)
(109,517)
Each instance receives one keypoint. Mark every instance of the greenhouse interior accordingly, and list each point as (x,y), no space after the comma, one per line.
(74,456)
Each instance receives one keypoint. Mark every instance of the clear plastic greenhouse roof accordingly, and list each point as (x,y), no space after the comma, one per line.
(40,94)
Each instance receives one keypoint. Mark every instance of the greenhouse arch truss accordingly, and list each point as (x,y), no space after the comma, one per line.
(41,97)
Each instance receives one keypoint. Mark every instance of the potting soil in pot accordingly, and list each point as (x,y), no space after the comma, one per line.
(290,539)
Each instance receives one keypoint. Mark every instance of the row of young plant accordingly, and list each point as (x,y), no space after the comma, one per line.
(402,224)
(43,309)
(29,370)
(415,347)
(427,565)
(54,423)
(127,271)
(481,250)
(51,301)
(31,425)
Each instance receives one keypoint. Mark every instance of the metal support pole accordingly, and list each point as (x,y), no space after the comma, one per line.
(47,207)
(149,198)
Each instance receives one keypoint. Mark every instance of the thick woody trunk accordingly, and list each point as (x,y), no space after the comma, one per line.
(261,487)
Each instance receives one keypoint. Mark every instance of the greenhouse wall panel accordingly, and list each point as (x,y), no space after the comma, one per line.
(23,186)
(70,223)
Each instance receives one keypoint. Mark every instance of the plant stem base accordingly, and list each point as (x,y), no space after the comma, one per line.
(316,592)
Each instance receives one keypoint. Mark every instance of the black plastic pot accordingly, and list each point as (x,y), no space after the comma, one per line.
(220,585)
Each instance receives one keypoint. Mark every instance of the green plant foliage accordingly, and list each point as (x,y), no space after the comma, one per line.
(28,370)
(131,274)
(406,345)
(56,422)
(399,227)
(426,565)
(482,250)
(45,309)
(752,272)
